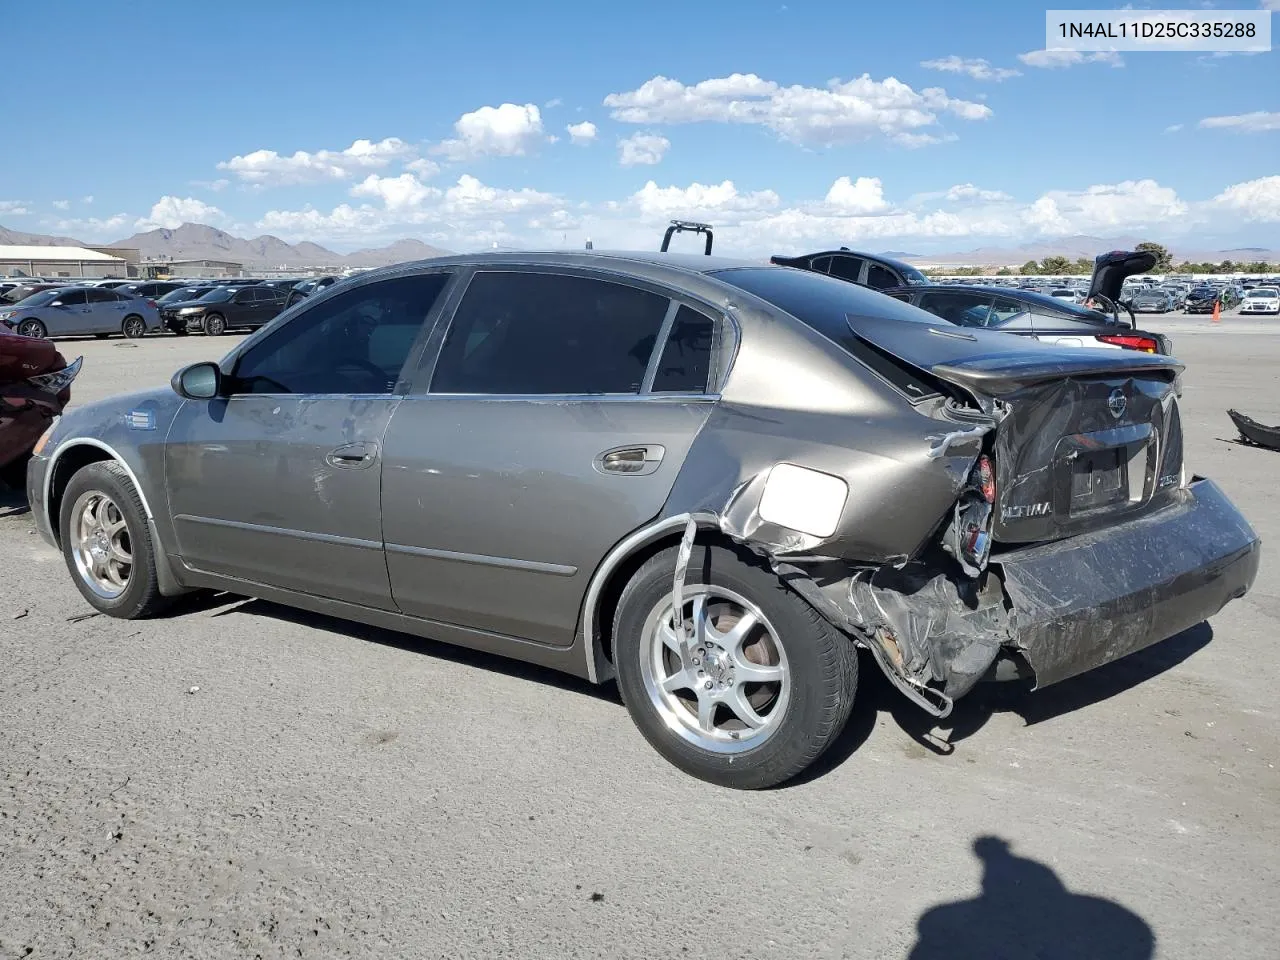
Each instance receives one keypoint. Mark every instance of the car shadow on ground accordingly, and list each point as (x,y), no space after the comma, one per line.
(876,696)
(413,644)
(1025,910)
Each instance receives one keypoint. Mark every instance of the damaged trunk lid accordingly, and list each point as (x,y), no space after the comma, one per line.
(1083,437)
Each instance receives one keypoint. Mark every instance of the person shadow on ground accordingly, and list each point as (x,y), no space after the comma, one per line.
(1026,913)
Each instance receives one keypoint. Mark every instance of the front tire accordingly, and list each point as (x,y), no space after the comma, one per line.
(215,325)
(133,327)
(758,686)
(33,328)
(106,543)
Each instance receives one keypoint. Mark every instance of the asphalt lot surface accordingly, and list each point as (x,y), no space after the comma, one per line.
(331,790)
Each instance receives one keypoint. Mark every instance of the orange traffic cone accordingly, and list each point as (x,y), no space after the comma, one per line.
(1217,312)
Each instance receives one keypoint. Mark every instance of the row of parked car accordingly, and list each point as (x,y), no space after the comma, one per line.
(134,308)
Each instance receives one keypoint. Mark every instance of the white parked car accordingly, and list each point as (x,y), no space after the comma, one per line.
(1261,300)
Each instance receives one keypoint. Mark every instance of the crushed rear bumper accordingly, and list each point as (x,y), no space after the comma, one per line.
(1087,600)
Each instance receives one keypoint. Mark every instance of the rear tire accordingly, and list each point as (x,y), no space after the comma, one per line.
(106,543)
(797,673)
(215,325)
(33,328)
(133,327)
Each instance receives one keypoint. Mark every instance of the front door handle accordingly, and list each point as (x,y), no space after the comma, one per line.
(352,455)
(631,461)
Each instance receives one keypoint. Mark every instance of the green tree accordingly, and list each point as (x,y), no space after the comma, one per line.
(1030,268)
(1083,265)
(1004,272)
(1164,260)
(1055,264)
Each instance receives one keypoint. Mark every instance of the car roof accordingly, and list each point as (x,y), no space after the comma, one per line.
(669,268)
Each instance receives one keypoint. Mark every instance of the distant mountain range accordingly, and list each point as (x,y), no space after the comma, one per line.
(196,241)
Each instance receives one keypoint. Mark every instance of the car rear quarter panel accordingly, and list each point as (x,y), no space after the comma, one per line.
(795,397)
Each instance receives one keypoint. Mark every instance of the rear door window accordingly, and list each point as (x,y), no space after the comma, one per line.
(880,277)
(847,268)
(99,295)
(685,364)
(544,333)
(72,298)
(820,265)
(1004,312)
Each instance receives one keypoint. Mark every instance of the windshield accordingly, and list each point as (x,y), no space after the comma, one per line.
(41,299)
(216,295)
(1266,293)
(183,293)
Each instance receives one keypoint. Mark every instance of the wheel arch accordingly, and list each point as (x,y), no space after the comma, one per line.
(617,569)
(72,456)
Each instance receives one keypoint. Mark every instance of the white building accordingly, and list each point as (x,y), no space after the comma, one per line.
(37,261)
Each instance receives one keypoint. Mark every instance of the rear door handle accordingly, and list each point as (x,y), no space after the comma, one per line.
(631,461)
(352,455)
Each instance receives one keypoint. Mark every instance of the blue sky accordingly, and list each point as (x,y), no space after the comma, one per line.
(918,126)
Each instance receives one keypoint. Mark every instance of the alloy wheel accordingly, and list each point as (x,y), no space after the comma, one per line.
(100,544)
(721,681)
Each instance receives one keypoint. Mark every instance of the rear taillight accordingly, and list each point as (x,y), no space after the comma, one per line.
(985,475)
(150,302)
(1129,342)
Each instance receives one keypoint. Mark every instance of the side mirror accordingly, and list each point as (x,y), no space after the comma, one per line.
(200,381)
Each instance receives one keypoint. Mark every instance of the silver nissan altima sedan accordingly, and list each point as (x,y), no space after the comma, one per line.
(714,481)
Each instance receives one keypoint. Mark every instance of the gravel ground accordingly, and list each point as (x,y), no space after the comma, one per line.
(239,780)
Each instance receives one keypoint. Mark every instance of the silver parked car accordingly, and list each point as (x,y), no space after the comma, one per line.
(714,480)
(79,311)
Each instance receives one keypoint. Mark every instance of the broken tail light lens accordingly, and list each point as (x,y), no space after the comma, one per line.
(985,474)
(1145,344)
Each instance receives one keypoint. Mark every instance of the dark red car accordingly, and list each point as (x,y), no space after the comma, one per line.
(35,385)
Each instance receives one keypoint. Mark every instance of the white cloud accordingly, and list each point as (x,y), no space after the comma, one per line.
(509,130)
(642,149)
(87,199)
(843,111)
(1105,208)
(976,67)
(1060,59)
(721,200)
(396,193)
(215,185)
(964,192)
(95,227)
(552,103)
(172,212)
(14,208)
(1173,128)
(582,133)
(423,168)
(1252,200)
(469,195)
(863,196)
(62,204)
(1254,122)
(268,168)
